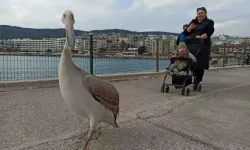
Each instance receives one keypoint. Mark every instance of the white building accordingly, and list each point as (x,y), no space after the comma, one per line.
(46,44)
(29,45)
(59,44)
(20,44)
(131,52)
(100,43)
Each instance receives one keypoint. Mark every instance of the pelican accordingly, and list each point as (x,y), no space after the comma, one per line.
(85,94)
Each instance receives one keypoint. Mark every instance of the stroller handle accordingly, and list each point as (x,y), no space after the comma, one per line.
(173,59)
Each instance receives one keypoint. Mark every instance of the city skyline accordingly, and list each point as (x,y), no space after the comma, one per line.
(230,16)
(134,32)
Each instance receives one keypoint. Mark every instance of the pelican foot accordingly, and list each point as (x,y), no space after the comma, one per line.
(96,134)
(93,135)
(81,142)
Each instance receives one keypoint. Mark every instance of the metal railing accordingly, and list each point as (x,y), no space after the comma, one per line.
(23,58)
(230,54)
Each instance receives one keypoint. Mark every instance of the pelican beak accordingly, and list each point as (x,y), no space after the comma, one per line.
(70,36)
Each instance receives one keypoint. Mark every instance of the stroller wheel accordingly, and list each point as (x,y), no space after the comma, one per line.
(187,91)
(162,88)
(195,87)
(199,88)
(167,89)
(183,91)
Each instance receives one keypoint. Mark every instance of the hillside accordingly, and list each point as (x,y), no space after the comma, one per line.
(7,32)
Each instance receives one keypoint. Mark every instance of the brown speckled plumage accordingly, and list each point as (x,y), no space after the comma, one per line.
(103,92)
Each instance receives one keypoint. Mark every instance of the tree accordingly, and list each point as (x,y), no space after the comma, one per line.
(127,46)
(142,49)
(122,45)
(102,50)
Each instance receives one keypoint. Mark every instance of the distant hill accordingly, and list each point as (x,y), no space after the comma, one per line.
(9,32)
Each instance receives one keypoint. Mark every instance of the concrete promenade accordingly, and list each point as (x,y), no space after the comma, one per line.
(34,117)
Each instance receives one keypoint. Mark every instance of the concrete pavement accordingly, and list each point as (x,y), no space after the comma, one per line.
(34,118)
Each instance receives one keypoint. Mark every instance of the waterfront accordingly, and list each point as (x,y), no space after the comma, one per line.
(79,55)
(44,67)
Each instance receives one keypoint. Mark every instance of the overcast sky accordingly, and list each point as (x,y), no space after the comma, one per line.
(231,17)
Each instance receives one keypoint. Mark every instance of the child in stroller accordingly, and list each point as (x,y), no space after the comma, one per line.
(185,60)
(180,64)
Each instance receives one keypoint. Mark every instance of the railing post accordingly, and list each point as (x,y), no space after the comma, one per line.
(224,55)
(157,54)
(244,53)
(91,54)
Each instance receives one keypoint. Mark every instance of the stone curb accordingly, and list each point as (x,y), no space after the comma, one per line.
(112,78)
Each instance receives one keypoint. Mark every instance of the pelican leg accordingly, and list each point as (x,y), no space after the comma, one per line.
(93,133)
(96,134)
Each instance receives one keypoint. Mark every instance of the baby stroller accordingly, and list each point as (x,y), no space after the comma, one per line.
(179,81)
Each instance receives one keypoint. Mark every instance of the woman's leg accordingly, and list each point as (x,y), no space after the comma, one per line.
(198,73)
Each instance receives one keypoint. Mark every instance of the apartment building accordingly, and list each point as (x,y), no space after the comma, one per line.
(29,45)
(20,44)
(110,42)
(59,44)
(165,46)
(131,52)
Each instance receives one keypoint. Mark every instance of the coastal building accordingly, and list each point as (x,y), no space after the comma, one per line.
(165,46)
(139,43)
(59,44)
(19,44)
(113,53)
(83,44)
(41,45)
(125,39)
(148,43)
(100,43)
(131,52)
(79,45)
(29,45)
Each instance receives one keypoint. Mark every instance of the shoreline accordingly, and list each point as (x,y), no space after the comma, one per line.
(79,55)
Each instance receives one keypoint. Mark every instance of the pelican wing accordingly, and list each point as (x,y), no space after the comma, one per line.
(103,92)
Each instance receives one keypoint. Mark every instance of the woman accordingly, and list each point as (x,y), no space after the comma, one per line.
(201,27)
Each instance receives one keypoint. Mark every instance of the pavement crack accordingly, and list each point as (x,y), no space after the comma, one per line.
(164,114)
(184,135)
(182,103)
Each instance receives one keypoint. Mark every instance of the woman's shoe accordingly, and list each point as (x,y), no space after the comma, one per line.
(195,87)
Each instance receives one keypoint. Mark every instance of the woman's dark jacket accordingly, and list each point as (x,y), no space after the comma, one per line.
(206,26)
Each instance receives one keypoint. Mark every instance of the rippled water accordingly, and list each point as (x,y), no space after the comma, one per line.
(41,67)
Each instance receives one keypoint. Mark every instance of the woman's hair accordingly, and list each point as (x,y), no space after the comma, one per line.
(202,8)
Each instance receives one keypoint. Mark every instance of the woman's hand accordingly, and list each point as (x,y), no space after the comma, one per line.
(204,36)
(191,27)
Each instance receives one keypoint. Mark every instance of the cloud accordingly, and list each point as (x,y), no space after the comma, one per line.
(230,16)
